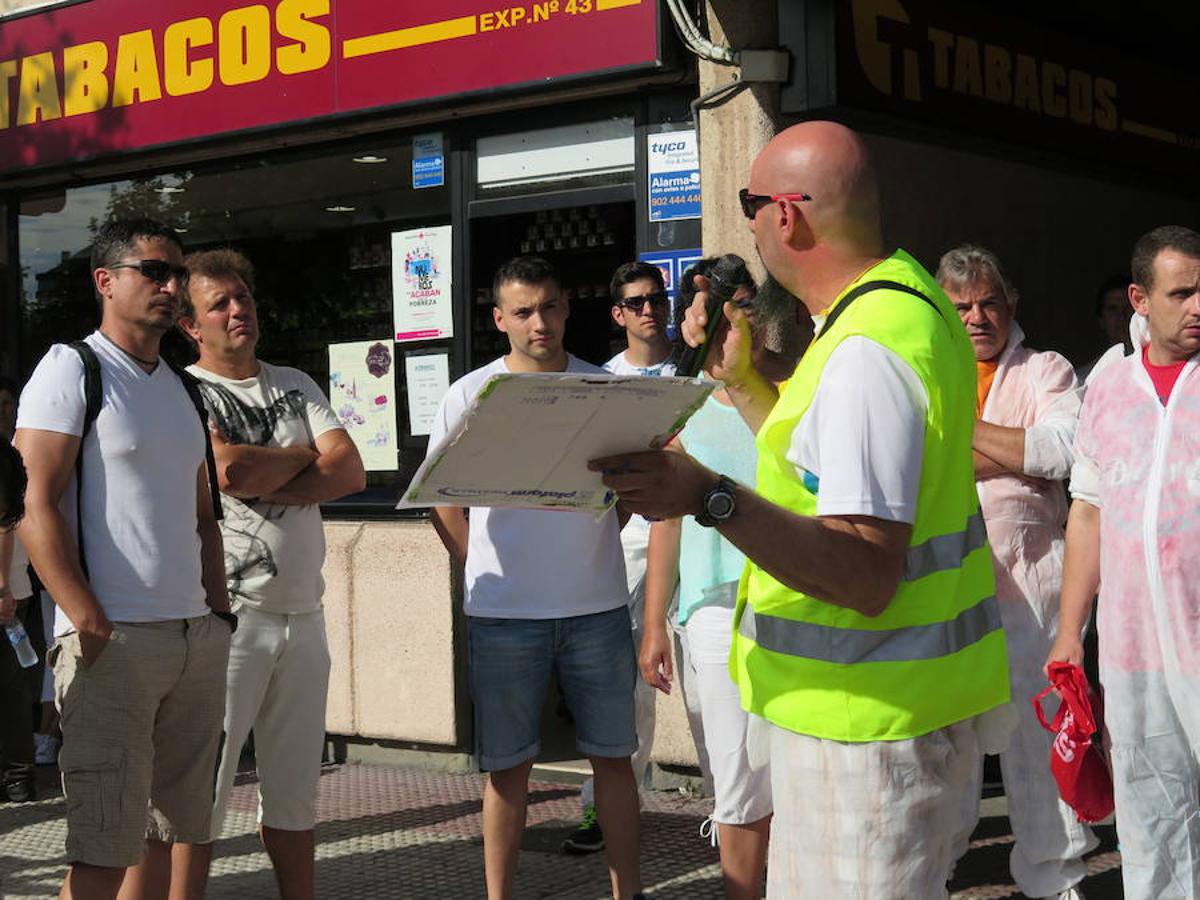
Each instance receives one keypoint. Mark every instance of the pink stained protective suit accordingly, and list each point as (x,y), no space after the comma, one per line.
(1139,462)
(1040,393)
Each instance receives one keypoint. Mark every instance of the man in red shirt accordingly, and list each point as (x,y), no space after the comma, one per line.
(1136,459)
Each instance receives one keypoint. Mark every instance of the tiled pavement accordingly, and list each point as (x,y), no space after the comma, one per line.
(389,832)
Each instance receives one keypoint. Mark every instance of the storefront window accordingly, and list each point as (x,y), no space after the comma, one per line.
(319,232)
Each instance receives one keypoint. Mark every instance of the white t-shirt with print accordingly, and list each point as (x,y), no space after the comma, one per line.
(533,563)
(635,536)
(862,440)
(273,552)
(140,464)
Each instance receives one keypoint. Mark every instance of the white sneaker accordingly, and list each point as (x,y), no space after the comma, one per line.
(709,830)
(1072,893)
(45,749)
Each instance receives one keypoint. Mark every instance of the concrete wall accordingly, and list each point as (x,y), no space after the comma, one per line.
(391,611)
(390,619)
(732,130)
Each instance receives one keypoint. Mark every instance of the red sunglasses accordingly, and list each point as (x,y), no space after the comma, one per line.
(752,203)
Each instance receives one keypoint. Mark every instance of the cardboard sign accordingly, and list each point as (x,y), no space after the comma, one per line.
(525,441)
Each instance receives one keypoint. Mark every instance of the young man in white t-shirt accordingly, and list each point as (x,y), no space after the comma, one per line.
(280,450)
(545,590)
(640,306)
(139,661)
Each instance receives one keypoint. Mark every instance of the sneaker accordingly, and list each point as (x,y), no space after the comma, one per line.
(45,749)
(1073,893)
(709,831)
(20,791)
(587,837)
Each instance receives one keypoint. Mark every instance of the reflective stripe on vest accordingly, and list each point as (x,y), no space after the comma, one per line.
(723,595)
(936,654)
(845,646)
(945,551)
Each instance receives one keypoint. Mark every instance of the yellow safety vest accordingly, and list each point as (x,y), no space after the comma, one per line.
(937,654)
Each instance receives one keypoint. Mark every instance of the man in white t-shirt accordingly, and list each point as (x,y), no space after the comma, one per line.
(545,591)
(280,451)
(640,306)
(139,661)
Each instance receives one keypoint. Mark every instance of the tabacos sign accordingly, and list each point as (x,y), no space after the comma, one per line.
(88,79)
(964,67)
(243,45)
(974,65)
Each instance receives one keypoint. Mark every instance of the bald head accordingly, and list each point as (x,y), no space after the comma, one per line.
(829,162)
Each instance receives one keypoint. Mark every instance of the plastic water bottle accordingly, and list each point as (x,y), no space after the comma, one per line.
(26,655)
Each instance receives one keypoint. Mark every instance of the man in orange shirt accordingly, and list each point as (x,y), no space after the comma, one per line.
(1028,404)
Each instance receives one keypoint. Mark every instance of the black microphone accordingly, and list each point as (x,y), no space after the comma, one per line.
(724,279)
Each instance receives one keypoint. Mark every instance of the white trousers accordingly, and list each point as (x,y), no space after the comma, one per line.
(1047,855)
(1150,718)
(277,685)
(741,789)
(871,821)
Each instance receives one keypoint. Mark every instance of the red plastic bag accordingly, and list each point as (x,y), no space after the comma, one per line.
(1076,758)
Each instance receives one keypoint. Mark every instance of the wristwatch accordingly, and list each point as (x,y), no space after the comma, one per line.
(230,619)
(719,503)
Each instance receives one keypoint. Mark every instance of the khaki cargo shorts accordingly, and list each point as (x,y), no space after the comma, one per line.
(142,732)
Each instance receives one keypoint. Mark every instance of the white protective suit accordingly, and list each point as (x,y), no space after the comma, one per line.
(1025,518)
(1139,336)
(1139,462)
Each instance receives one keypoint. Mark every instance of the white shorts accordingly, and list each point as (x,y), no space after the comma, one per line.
(879,820)
(277,685)
(742,790)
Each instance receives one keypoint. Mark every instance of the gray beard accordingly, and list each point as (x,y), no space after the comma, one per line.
(774,303)
(785,322)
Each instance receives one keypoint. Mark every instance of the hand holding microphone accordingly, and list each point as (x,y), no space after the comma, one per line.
(716,330)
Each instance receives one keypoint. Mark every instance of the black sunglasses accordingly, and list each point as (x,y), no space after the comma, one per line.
(752,203)
(157,270)
(634,304)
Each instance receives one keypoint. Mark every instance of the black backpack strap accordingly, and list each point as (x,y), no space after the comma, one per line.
(867,287)
(191,384)
(93,396)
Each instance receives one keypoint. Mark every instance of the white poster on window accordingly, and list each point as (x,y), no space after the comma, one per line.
(362,391)
(421,305)
(428,378)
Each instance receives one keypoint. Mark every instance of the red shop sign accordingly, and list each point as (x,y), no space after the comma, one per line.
(101,77)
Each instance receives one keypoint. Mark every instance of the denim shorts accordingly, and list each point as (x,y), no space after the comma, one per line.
(511,661)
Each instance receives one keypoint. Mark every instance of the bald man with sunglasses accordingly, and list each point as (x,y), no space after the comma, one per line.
(867,642)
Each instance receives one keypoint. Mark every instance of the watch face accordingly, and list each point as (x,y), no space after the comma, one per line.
(720,506)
